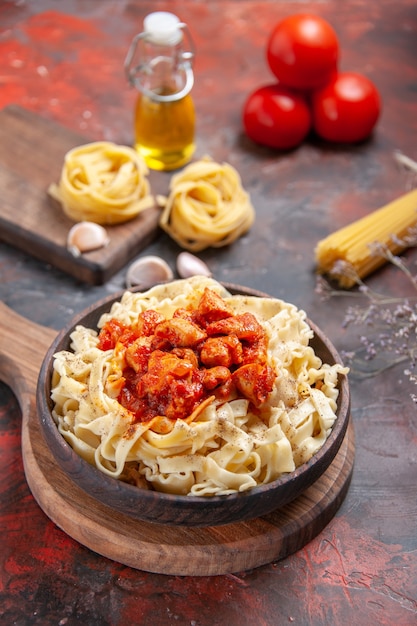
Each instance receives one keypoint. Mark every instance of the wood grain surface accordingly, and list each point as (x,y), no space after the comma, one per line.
(33,222)
(151,547)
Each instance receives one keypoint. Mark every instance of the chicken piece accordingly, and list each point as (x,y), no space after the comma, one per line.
(216,376)
(147,322)
(254,381)
(184,314)
(212,307)
(137,355)
(255,352)
(226,351)
(172,386)
(188,354)
(162,367)
(180,333)
(245,326)
(112,332)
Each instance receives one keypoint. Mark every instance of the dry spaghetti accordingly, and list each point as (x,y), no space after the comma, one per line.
(353,243)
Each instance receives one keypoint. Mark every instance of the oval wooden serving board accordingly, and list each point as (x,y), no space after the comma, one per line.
(173,550)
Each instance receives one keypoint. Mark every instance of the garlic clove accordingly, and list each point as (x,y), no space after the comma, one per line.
(85,237)
(189,265)
(148,271)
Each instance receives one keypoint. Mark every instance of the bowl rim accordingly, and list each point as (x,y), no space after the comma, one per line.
(83,473)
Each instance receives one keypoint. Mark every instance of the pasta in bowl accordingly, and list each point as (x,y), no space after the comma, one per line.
(194,402)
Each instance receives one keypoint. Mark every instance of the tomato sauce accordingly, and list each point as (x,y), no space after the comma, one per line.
(172,366)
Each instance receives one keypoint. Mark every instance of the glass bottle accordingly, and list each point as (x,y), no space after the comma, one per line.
(161,70)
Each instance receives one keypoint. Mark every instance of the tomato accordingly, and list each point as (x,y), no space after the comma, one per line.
(276,117)
(347,109)
(303,51)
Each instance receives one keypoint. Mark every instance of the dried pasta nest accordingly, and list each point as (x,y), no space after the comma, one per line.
(207,206)
(103,182)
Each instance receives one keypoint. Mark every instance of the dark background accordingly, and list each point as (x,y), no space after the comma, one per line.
(64,60)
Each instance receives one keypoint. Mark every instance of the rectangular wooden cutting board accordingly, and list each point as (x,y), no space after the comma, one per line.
(32,151)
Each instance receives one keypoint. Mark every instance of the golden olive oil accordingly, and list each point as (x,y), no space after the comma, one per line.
(164,131)
(159,65)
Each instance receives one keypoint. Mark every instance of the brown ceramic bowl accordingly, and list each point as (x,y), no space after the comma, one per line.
(161,508)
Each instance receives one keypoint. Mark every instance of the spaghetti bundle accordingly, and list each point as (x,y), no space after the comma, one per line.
(104,183)
(207,206)
(353,243)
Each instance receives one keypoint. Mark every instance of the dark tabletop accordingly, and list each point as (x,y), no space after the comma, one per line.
(64,61)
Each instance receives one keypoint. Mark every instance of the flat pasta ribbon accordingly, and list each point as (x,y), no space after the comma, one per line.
(207,206)
(103,182)
(224,447)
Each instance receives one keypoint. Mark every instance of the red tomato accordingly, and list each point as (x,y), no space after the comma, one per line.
(347,109)
(276,117)
(303,51)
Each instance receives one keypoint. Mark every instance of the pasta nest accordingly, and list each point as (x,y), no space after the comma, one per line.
(207,206)
(103,182)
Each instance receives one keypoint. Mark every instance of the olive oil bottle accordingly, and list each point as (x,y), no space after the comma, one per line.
(159,68)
